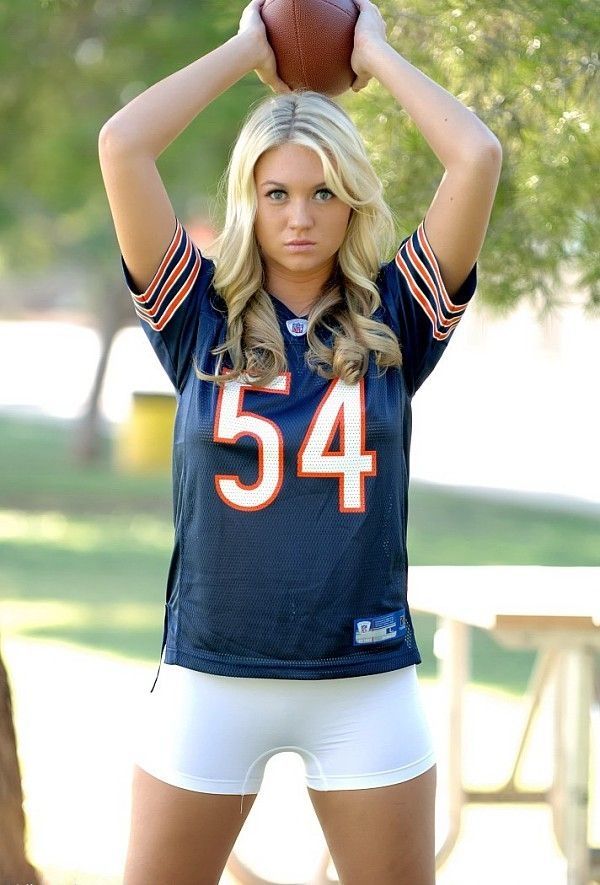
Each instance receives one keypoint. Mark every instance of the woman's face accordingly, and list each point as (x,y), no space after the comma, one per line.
(294,204)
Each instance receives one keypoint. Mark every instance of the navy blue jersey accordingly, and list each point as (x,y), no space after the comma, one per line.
(290,500)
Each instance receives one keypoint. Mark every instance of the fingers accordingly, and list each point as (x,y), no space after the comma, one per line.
(275,84)
(360,83)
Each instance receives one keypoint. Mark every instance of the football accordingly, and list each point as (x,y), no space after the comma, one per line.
(312,41)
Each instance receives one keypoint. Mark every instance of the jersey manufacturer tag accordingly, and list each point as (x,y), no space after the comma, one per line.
(380,628)
(297,326)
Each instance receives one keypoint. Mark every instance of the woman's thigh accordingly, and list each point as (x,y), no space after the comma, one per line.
(180,835)
(194,783)
(383,834)
(374,790)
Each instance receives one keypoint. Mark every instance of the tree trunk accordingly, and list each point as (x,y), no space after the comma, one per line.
(87,443)
(14,866)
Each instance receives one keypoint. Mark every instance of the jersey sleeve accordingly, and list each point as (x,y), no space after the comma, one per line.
(420,309)
(169,309)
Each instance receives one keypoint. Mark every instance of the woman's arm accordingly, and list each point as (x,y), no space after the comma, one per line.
(132,139)
(452,131)
(152,120)
(456,222)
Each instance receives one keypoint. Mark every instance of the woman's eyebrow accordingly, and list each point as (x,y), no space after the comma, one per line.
(280,184)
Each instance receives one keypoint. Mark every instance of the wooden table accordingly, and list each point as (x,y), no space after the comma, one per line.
(556,611)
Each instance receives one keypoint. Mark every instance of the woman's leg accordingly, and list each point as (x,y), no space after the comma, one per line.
(178,835)
(195,739)
(375,800)
(384,834)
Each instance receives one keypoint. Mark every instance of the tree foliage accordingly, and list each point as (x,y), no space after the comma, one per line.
(67,66)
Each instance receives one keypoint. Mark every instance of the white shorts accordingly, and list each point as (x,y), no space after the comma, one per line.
(215,734)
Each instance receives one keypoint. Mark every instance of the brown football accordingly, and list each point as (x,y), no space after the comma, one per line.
(313,42)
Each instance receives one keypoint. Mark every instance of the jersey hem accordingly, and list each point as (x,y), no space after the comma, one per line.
(279,669)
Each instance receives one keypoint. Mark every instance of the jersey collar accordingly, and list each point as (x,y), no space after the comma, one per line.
(284,311)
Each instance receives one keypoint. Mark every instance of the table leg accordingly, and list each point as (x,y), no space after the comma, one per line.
(455,660)
(576,697)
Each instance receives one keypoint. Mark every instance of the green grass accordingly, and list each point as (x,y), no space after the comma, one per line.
(84,552)
(448,527)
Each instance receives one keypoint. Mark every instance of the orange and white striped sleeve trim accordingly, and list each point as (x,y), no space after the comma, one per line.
(419,267)
(171,284)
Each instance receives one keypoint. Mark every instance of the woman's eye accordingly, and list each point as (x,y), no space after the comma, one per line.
(322,190)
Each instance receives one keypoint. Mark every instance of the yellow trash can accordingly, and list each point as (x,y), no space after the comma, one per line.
(145,440)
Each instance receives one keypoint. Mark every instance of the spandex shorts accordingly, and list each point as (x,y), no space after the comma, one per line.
(215,734)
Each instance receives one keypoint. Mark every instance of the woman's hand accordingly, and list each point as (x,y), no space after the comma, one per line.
(370,29)
(252,25)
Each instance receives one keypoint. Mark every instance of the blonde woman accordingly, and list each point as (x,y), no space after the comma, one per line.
(294,353)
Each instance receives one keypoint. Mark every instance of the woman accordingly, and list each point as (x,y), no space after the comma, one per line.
(294,367)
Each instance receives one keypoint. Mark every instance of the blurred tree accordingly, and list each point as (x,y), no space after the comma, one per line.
(67,66)
(527,69)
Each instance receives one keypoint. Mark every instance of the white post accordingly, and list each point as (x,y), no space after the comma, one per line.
(576,703)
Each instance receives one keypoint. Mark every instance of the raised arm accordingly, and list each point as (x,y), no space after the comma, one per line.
(132,139)
(457,219)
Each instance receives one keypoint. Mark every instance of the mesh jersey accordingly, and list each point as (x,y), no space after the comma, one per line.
(290,501)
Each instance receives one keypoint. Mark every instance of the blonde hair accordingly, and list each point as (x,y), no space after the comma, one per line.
(254,340)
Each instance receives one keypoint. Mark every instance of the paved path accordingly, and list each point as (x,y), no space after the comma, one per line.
(74,716)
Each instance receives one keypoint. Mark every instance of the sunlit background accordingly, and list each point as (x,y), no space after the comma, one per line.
(506,430)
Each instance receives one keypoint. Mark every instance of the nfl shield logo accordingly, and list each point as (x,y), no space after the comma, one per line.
(297,326)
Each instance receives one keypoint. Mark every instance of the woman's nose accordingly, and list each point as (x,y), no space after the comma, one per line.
(300,215)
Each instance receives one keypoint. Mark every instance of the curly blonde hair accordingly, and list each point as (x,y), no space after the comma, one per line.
(349,297)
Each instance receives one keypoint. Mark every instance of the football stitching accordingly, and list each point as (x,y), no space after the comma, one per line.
(298,44)
(339,8)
